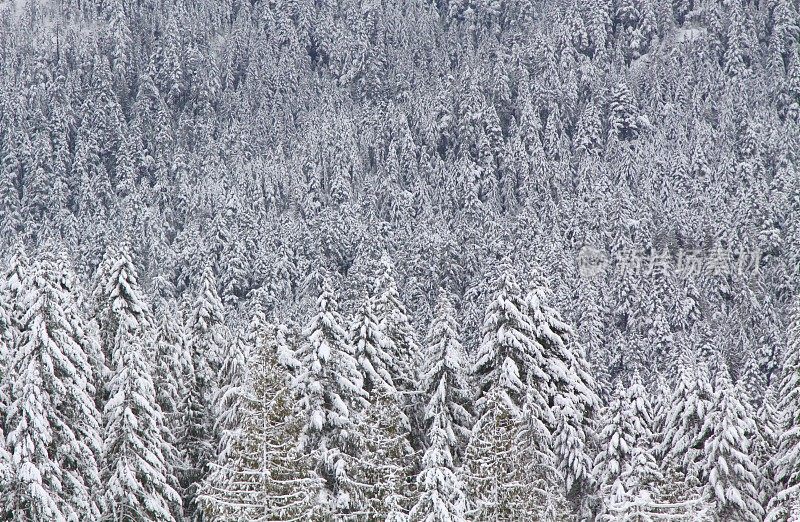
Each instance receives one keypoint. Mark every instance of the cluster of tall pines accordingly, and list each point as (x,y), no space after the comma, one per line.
(431,260)
(118,409)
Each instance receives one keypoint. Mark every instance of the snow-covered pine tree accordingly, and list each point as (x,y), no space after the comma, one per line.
(787,458)
(330,387)
(684,435)
(505,476)
(623,113)
(264,476)
(12,285)
(6,474)
(396,325)
(733,477)
(373,350)
(118,300)
(642,474)
(508,355)
(386,464)
(208,334)
(7,335)
(6,343)
(443,380)
(172,365)
(100,280)
(590,330)
(571,451)
(52,423)
(515,420)
(11,291)
(765,447)
(617,440)
(137,479)
(634,493)
(230,386)
(209,340)
(575,400)
(441,495)
(589,135)
(661,407)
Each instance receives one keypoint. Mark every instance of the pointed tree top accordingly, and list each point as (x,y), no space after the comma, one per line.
(444,303)
(327,298)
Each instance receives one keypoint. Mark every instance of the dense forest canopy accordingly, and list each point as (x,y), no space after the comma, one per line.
(399,260)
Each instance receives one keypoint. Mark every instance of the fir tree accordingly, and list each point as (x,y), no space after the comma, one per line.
(172,364)
(137,479)
(403,348)
(684,432)
(386,463)
(331,391)
(118,300)
(733,478)
(623,113)
(787,459)
(373,351)
(52,423)
(209,335)
(441,497)
(508,353)
(617,441)
(574,398)
(643,474)
(263,475)
(209,340)
(444,383)
(503,478)
(765,447)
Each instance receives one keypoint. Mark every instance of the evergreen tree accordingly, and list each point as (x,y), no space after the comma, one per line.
(209,340)
(135,471)
(733,478)
(263,475)
(502,478)
(589,135)
(13,286)
(118,300)
(386,462)
(137,478)
(444,383)
(7,335)
(208,334)
(52,423)
(765,447)
(6,343)
(226,395)
(623,113)
(508,352)
(643,474)
(330,385)
(441,497)
(685,432)
(617,441)
(787,459)
(735,52)
(575,399)
(373,351)
(172,365)
(399,332)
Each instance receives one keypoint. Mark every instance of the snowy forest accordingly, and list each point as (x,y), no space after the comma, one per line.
(399,260)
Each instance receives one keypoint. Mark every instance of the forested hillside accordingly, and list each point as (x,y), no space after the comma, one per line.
(402,260)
